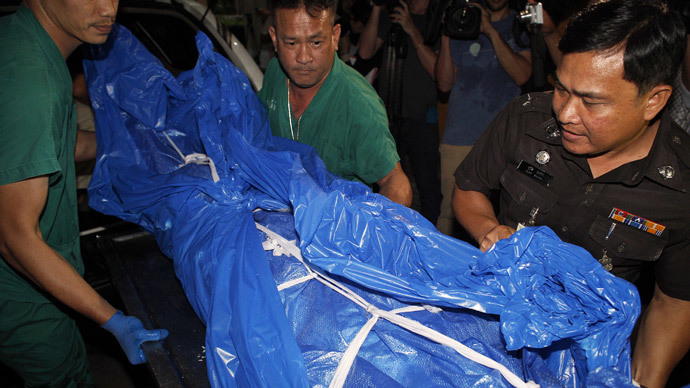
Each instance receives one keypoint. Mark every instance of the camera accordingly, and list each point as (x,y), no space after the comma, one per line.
(462,20)
(532,14)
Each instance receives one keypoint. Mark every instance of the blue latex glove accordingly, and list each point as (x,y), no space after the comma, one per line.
(130,333)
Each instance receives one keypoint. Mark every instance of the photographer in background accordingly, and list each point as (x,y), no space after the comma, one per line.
(407,87)
(483,75)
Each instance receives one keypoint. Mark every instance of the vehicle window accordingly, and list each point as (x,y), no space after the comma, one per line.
(167,36)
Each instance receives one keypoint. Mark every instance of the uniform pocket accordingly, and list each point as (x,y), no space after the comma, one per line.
(526,195)
(626,242)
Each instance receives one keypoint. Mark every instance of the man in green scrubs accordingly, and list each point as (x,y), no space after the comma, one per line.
(314,98)
(41,265)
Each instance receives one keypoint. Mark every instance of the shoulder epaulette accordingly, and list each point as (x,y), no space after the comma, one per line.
(534,102)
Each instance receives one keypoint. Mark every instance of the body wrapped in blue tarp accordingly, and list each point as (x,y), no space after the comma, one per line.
(192,160)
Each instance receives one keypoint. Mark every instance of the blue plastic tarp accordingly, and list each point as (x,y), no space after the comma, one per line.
(545,309)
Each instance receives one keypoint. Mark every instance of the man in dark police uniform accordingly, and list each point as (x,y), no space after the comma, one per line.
(600,162)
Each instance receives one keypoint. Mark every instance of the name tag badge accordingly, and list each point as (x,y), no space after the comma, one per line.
(533,172)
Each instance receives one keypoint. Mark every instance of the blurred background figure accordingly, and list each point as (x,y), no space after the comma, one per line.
(407,87)
(483,68)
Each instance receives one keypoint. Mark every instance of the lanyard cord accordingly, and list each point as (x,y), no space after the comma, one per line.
(289,108)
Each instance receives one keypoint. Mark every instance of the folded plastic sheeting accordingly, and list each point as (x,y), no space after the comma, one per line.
(305,279)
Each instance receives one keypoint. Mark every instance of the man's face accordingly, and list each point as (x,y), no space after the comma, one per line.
(496,5)
(305,45)
(87,21)
(597,109)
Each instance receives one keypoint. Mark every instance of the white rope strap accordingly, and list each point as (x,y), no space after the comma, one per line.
(272,244)
(348,358)
(196,158)
(463,350)
(297,281)
(291,249)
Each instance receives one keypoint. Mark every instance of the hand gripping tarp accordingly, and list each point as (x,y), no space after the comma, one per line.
(305,279)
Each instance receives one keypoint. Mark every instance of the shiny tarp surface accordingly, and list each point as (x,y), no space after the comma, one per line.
(192,160)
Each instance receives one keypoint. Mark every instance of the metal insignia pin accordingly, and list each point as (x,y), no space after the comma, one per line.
(543,158)
(667,172)
(552,131)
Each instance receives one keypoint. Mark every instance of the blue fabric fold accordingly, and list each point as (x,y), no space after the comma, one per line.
(545,309)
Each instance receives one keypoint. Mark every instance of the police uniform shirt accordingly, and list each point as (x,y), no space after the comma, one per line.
(635,214)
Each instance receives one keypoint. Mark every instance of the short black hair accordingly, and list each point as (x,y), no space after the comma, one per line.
(313,7)
(652,36)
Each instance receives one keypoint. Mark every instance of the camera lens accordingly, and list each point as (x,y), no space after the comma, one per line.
(462,21)
(526,16)
(464,18)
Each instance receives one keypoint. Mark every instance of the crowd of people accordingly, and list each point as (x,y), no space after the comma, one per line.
(603,158)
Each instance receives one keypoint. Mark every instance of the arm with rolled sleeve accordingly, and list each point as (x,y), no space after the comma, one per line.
(478,176)
(663,339)
(396,186)
(664,327)
(23,247)
(375,156)
(475,213)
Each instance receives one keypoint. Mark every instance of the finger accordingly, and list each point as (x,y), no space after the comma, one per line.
(151,335)
(505,235)
(485,244)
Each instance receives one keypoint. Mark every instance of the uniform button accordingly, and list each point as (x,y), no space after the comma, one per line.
(542,158)
(620,248)
(676,140)
(588,188)
(564,229)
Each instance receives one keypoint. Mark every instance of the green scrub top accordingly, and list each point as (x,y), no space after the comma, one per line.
(345,122)
(37,137)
